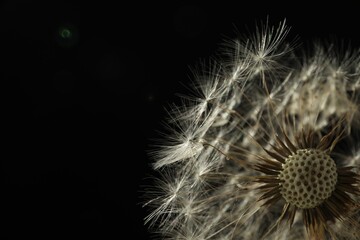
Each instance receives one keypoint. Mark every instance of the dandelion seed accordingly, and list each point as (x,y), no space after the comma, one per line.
(266,148)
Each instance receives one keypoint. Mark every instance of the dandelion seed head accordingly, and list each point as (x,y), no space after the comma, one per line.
(265,147)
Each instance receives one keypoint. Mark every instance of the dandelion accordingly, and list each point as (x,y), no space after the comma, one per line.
(267,147)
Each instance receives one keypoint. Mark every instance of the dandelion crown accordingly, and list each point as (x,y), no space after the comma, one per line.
(266,147)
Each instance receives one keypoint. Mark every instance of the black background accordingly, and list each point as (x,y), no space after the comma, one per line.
(81,110)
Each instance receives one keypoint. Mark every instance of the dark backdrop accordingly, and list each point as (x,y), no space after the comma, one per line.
(85,85)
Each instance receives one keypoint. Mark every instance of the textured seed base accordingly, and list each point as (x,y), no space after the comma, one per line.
(309,177)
